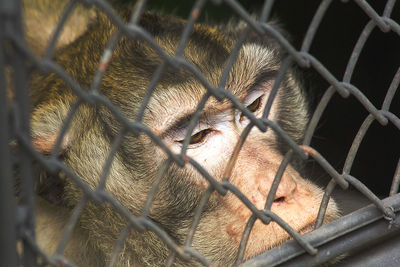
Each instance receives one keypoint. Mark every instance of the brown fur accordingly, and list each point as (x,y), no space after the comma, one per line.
(41,18)
(87,143)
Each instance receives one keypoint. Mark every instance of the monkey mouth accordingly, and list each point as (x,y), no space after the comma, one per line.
(304,230)
(308,228)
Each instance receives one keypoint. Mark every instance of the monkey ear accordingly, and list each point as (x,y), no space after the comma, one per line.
(40,28)
(46,124)
(45,144)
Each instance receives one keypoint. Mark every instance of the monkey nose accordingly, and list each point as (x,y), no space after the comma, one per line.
(279,199)
(286,190)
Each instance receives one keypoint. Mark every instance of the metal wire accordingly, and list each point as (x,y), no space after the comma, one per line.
(306,250)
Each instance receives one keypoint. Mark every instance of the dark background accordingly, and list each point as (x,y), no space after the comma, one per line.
(341,26)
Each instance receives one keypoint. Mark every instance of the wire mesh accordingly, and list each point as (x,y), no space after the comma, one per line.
(18,242)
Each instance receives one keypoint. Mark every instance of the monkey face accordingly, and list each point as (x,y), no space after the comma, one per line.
(139,158)
(212,144)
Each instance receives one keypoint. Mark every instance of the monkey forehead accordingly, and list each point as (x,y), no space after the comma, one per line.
(254,62)
(207,48)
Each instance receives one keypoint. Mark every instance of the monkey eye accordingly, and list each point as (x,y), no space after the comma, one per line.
(253,107)
(199,137)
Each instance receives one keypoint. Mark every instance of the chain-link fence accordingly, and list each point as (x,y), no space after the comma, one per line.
(364,228)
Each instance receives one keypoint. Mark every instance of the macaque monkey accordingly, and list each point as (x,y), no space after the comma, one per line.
(87,142)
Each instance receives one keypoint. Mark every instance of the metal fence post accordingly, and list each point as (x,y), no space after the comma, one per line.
(8,253)
(11,27)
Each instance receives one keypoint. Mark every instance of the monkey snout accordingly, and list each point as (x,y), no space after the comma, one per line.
(284,194)
(286,190)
